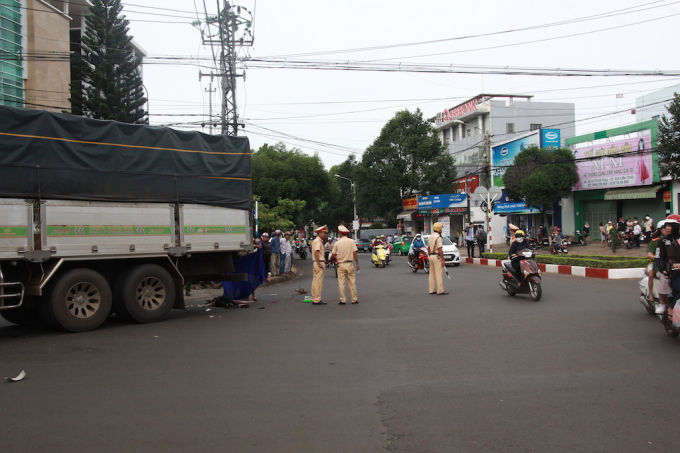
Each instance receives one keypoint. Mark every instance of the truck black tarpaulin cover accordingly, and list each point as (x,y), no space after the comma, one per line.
(60,156)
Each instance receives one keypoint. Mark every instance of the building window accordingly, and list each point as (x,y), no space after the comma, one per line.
(534,127)
(11,70)
(510,128)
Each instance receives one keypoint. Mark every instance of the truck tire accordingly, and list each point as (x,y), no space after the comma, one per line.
(78,301)
(144,294)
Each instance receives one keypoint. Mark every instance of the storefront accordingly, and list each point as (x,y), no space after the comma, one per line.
(448,209)
(618,176)
(406,219)
(527,218)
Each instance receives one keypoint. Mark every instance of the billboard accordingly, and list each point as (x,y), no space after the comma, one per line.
(441,201)
(622,163)
(550,138)
(504,155)
(459,185)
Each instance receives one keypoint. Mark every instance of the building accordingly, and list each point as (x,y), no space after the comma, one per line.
(36,41)
(619,176)
(474,129)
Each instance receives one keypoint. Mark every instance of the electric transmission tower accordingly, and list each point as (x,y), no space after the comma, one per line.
(226,33)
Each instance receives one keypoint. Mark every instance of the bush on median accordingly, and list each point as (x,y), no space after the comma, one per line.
(597,261)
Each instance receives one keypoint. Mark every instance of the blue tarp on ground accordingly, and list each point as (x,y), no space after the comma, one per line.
(251,264)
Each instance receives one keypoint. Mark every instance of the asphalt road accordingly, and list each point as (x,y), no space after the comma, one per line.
(585,369)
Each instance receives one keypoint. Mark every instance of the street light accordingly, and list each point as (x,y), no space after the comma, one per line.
(354,196)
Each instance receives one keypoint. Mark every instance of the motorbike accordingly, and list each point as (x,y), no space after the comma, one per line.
(301,250)
(530,284)
(379,255)
(559,246)
(422,263)
(671,324)
(628,239)
(579,238)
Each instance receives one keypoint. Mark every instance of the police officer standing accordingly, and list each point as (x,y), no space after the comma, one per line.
(319,265)
(344,252)
(435,246)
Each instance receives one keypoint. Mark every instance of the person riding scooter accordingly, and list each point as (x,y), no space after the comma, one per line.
(416,245)
(513,254)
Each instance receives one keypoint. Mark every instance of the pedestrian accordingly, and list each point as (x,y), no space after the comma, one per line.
(319,265)
(286,253)
(435,246)
(648,227)
(266,248)
(603,234)
(586,231)
(469,239)
(344,252)
(481,239)
(389,239)
(276,253)
(614,236)
(637,231)
(459,238)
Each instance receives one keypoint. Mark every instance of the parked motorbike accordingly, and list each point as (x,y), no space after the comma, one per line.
(628,239)
(530,284)
(650,305)
(379,255)
(422,263)
(579,238)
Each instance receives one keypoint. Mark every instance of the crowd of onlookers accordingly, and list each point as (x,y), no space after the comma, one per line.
(277,252)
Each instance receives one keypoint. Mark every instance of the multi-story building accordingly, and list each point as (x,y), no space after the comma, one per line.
(472,129)
(36,41)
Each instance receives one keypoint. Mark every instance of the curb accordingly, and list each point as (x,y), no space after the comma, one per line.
(579,271)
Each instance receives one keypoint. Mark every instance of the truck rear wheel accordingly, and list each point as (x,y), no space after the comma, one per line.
(80,300)
(144,294)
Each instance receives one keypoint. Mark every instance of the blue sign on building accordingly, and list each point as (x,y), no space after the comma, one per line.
(441,201)
(550,138)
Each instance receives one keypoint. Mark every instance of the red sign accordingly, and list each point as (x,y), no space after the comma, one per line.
(408,204)
(667,196)
(457,112)
(459,185)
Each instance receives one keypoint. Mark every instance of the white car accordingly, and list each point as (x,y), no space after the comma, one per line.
(451,253)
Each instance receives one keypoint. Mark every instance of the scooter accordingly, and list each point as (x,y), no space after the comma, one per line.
(643,284)
(530,284)
(628,239)
(422,263)
(301,250)
(379,255)
(559,246)
(579,238)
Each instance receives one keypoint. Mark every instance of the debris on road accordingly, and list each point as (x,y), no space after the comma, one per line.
(18,378)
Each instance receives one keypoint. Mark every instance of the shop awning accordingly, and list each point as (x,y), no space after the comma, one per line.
(632,193)
(406,215)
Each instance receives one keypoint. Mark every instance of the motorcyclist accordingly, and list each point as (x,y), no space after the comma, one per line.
(671,234)
(513,254)
(415,249)
(556,240)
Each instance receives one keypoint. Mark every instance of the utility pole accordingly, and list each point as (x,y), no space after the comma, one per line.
(210,91)
(233,31)
(487,160)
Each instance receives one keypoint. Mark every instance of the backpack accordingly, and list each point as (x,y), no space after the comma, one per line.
(481,234)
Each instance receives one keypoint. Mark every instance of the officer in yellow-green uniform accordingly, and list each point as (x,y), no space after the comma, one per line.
(435,248)
(319,265)
(345,252)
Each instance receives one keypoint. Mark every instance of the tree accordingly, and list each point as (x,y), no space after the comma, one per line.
(279,173)
(407,158)
(107,82)
(280,216)
(669,140)
(540,177)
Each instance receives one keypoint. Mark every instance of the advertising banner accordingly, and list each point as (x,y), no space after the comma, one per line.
(408,204)
(446,225)
(504,155)
(550,138)
(622,163)
(459,185)
(512,207)
(442,201)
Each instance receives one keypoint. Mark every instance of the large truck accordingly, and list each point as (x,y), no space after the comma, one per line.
(99,217)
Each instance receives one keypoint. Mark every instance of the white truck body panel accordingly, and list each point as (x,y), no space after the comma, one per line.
(16,228)
(211,228)
(85,228)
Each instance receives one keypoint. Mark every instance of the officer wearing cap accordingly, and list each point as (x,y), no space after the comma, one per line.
(435,248)
(319,265)
(344,252)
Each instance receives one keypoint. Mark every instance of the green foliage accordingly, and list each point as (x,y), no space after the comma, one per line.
(339,208)
(279,173)
(280,216)
(376,226)
(540,177)
(406,158)
(669,140)
(106,72)
(596,261)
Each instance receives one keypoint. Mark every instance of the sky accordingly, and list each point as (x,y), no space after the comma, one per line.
(336,113)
